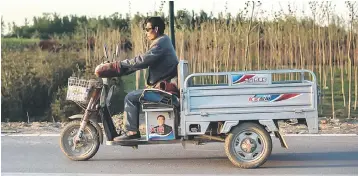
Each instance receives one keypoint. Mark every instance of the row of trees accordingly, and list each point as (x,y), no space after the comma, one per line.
(50,24)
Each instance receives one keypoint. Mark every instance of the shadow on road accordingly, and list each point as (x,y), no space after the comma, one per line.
(159,159)
(320,160)
(318,165)
(324,156)
(281,160)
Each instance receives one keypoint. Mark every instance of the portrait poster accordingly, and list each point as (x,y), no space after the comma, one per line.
(161,126)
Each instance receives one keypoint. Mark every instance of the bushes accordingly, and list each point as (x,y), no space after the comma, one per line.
(34,82)
(29,79)
(62,109)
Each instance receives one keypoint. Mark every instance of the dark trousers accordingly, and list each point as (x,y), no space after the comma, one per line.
(131,110)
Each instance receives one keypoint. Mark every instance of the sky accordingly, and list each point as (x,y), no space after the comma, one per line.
(17,10)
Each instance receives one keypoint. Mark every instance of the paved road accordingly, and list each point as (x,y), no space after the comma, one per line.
(306,155)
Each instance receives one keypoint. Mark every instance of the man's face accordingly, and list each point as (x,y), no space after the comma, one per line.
(150,32)
(161,121)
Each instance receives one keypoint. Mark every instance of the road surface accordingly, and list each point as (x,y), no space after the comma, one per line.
(306,155)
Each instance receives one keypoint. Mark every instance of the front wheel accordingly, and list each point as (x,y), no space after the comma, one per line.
(86,148)
(248,145)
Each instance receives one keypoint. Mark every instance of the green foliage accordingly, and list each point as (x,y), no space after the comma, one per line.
(61,109)
(19,43)
(49,25)
(29,79)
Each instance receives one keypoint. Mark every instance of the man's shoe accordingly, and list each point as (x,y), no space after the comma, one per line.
(126,136)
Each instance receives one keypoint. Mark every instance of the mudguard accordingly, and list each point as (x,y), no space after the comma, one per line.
(95,124)
(269,124)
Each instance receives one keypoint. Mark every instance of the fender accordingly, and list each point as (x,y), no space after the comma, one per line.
(270,124)
(95,124)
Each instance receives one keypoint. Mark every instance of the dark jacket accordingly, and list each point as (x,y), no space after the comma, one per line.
(161,61)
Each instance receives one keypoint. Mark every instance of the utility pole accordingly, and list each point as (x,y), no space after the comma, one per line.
(171,22)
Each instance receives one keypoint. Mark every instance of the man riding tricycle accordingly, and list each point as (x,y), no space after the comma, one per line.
(241,111)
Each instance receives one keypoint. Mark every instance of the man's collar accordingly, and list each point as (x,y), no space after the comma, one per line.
(155,41)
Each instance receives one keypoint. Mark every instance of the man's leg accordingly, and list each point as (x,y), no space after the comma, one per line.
(131,115)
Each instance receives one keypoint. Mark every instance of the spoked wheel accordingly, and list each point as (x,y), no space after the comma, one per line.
(248,145)
(86,148)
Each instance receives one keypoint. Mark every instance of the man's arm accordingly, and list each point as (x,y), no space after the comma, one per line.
(129,66)
(145,60)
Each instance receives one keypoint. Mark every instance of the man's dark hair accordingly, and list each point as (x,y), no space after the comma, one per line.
(160,116)
(157,22)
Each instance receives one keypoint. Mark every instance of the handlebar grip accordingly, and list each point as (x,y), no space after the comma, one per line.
(109,69)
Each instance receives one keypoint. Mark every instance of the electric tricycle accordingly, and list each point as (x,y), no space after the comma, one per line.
(241,111)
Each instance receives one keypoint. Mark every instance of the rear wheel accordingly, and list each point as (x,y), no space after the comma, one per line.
(86,148)
(248,145)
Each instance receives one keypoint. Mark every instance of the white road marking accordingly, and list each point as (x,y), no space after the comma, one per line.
(27,135)
(313,135)
(49,135)
(23,135)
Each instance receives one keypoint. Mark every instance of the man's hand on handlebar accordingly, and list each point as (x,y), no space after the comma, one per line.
(108,69)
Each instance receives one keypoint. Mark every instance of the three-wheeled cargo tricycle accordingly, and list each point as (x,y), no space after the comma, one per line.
(241,111)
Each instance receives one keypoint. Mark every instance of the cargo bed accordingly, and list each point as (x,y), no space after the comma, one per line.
(249,95)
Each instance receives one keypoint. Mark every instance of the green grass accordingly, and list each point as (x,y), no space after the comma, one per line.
(130,82)
(326,101)
(19,40)
(18,43)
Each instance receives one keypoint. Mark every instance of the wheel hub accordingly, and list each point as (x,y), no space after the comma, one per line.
(78,142)
(248,145)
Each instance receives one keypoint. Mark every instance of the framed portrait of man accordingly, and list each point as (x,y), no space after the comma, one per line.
(160,126)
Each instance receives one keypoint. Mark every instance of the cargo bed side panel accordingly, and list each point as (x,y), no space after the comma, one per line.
(250,100)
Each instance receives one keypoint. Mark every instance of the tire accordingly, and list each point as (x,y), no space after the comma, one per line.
(66,138)
(246,132)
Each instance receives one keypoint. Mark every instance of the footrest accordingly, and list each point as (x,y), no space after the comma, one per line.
(130,142)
